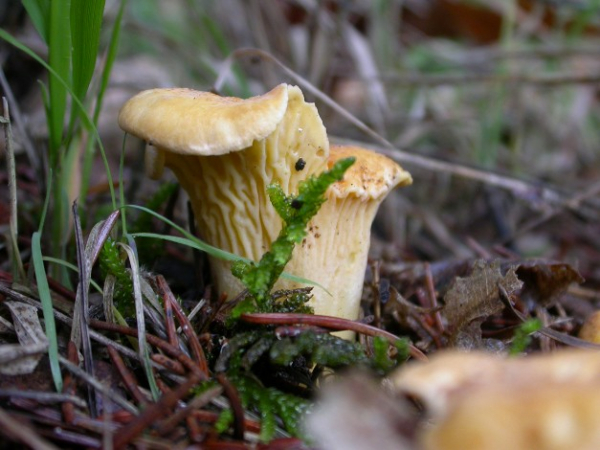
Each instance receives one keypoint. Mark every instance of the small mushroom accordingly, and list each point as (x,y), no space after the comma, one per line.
(334,253)
(590,330)
(225,151)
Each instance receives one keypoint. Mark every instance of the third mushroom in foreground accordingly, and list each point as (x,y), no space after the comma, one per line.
(225,151)
(543,401)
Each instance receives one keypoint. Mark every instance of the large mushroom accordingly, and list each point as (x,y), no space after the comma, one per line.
(225,152)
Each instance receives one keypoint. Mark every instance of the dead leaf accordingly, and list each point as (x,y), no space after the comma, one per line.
(472,299)
(23,358)
(545,282)
(26,322)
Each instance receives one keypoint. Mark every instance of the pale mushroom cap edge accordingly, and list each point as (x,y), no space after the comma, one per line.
(192,122)
(372,176)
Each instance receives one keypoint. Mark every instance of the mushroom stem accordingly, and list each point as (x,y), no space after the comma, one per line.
(335,251)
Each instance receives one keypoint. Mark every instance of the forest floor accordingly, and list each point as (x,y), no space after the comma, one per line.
(494,247)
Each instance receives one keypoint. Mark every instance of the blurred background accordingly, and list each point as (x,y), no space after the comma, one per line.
(509,87)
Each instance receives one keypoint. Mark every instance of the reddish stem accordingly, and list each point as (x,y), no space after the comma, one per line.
(149,415)
(236,405)
(152,340)
(188,330)
(329,322)
(128,378)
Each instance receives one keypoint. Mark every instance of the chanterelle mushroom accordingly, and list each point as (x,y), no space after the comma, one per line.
(488,402)
(540,417)
(334,254)
(226,151)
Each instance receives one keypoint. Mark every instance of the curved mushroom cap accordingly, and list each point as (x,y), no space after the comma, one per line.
(372,176)
(451,375)
(202,123)
(542,417)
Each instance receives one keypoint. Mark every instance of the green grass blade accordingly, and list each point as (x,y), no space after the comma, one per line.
(44,292)
(84,116)
(47,308)
(162,218)
(192,241)
(122,187)
(59,57)
(57,231)
(218,253)
(141,324)
(39,13)
(86,22)
(72,267)
(113,46)
(111,56)
(195,244)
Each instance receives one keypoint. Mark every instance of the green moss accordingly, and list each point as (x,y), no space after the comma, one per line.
(295,211)
(522,336)
(111,262)
(382,362)
(271,404)
(245,352)
(323,349)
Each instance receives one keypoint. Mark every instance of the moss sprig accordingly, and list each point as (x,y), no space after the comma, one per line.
(295,211)
(522,336)
(323,349)
(292,301)
(112,262)
(382,361)
(271,403)
(263,351)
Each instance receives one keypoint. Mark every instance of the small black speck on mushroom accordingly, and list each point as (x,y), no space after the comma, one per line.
(300,164)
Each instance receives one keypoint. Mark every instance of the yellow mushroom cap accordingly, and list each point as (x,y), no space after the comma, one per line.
(453,374)
(541,417)
(191,122)
(372,176)
(225,152)
(590,331)
(476,400)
